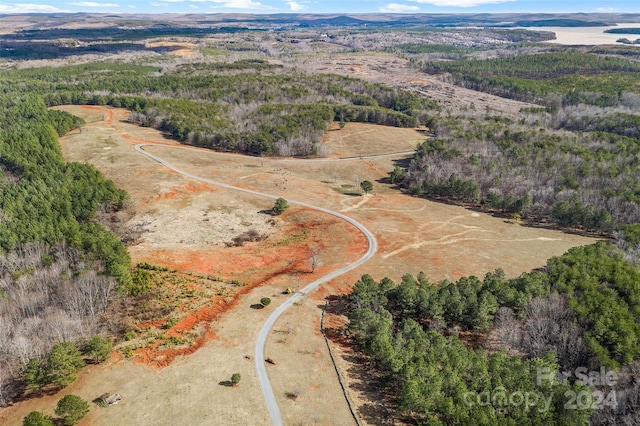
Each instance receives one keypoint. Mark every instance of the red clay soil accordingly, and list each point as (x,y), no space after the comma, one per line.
(251,266)
(254,264)
(156,357)
(203,317)
(152,324)
(257,263)
(183,191)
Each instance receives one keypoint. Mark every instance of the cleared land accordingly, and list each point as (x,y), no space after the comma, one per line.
(187,225)
(347,142)
(393,71)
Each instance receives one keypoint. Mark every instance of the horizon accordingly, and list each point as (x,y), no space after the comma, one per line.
(269,7)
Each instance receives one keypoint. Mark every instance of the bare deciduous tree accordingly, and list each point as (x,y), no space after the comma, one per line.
(314,257)
(45,302)
(507,329)
(551,323)
(6,379)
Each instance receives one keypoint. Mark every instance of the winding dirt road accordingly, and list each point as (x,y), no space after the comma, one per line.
(263,377)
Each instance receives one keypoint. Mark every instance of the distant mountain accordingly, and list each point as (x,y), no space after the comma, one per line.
(267,21)
(623,31)
(562,23)
(338,21)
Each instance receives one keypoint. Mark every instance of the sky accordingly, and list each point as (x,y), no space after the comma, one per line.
(318,6)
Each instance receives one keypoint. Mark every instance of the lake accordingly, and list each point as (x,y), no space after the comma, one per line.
(588,35)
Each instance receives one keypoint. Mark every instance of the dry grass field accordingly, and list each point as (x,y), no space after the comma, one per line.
(187,225)
(360,139)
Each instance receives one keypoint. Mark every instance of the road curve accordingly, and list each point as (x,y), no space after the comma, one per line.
(292,159)
(267,390)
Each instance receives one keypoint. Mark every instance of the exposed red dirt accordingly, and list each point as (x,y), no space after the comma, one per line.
(157,323)
(283,260)
(156,357)
(183,191)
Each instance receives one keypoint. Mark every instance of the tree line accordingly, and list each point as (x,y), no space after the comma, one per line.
(533,167)
(581,310)
(548,78)
(249,106)
(59,267)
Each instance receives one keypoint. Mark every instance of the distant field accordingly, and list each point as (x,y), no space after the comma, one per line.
(368,139)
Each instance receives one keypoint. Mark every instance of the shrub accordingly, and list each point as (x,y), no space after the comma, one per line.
(130,335)
(170,323)
(140,282)
(72,408)
(280,206)
(265,301)
(127,351)
(36,418)
(63,363)
(249,236)
(294,394)
(99,348)
(175,341)
(235,379)
(366,186)
(34,375)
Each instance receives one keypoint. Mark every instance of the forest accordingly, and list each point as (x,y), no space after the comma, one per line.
(573,161)
(247,106)
(581,310)
(548,78)
(579,179)
(59,265)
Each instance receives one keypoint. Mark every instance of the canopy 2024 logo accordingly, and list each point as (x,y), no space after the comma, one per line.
(596,397)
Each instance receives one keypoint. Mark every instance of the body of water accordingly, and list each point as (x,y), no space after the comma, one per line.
(588,35)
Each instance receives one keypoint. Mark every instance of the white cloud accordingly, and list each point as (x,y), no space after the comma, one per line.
(242,4)
(93,4)
(398,8)
(237,4)
(295,6)
(460,3)
(29,8)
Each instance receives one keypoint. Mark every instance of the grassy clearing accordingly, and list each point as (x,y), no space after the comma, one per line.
(357,139)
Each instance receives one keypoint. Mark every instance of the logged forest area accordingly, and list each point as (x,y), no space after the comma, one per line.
(471,194)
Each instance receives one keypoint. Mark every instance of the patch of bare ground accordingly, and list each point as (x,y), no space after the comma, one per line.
(182,49)
(414,235)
